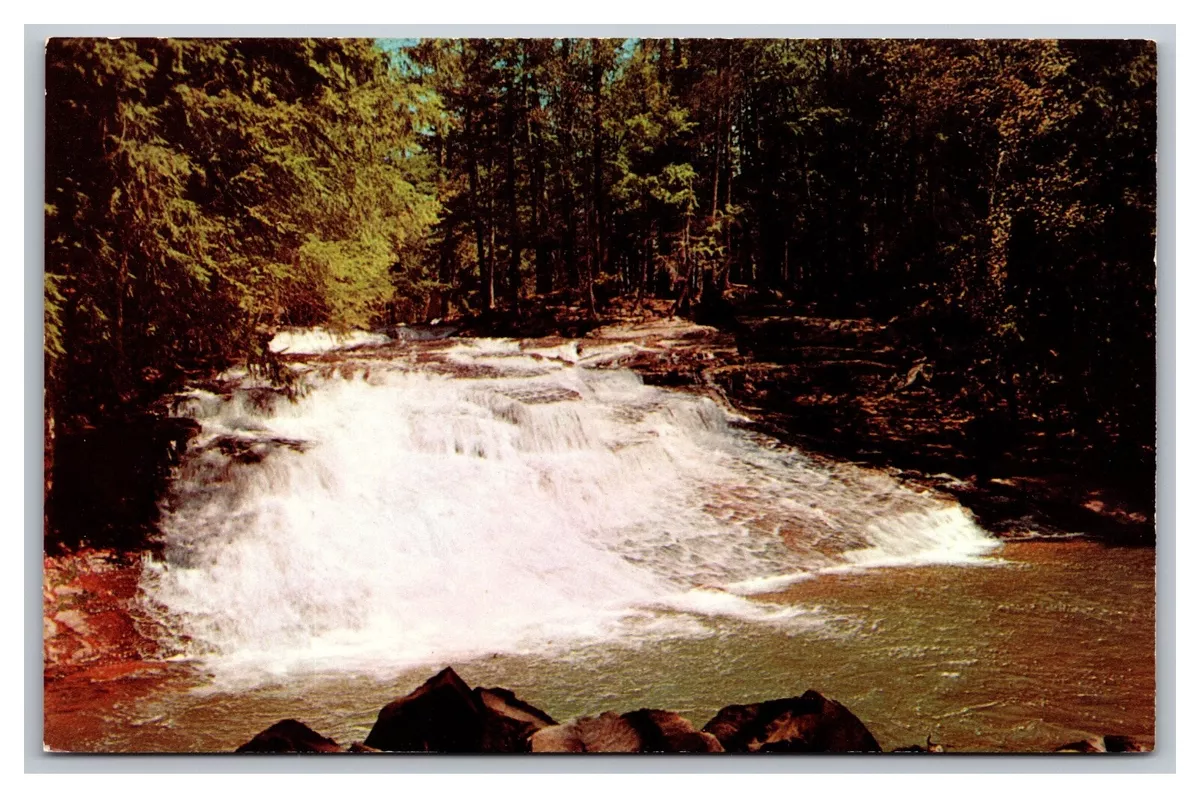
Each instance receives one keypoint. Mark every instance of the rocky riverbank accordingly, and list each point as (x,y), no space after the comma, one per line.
(860,390)
(445,715)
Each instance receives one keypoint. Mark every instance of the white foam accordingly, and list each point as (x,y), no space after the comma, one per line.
(421,518)
(319,341)
(944,536)
(720,603)
(767,584)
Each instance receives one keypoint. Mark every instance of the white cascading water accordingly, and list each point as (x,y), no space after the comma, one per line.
(422,505)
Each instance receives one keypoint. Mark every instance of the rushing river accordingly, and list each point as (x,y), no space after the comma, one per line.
(536,516)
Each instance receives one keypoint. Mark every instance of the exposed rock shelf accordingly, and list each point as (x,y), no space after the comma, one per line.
(853,389)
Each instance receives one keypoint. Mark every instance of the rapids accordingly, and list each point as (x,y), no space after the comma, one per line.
(426,501)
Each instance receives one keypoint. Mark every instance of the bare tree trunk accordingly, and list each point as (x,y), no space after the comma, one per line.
(596,254)
(476,205)
(122,365)
(514,223)
(491,218)
(716,180)
(729,111)
(684,301)
(543,273)
(647,254)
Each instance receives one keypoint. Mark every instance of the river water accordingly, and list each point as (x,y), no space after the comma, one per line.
(533,514)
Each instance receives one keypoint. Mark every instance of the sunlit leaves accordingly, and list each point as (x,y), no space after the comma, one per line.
(205,188)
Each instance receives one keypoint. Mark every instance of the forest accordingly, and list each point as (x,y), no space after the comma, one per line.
(995,196)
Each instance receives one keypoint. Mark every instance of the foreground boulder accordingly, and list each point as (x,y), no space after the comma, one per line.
(607,733)
(1104,744)
(811,723)
(668,732)
(444,715)
(441,715)
(642,731)
(290,736)
(508,722)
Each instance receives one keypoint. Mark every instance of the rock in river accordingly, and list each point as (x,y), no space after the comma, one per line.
(607,733)
(811,723)
(444,715)
(508,721)
(290,736)
(642,731)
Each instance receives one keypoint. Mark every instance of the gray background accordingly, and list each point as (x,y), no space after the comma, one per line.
(1161,760)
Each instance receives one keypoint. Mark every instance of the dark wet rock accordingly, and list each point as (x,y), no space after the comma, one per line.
(810,723)
(423,332)
(1104,744)
(642,731)
(441,715)
(607,733)
(253,451)
(668,732)
(290,736)
(508,722)
(359,747)
(444,715)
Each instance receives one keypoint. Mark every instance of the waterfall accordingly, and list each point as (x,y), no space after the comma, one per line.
(434,501)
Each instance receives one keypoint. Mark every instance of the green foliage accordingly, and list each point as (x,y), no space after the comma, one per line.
(1001,193)
(201,192)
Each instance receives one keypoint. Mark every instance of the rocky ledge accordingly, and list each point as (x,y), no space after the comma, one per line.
(856,390)
(445,715)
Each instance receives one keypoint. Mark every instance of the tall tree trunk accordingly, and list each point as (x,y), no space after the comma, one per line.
(716,178)
(121,372)
(684,302)
(570,232)
(491,216)
(998,228)
(729,114)
(514,224)
(476,204)
(567,181)
(646,259)
(596,253)
(543,268)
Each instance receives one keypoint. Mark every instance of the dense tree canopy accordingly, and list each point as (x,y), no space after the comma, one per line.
(999,193)
(198,191)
